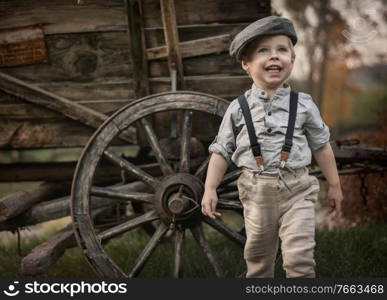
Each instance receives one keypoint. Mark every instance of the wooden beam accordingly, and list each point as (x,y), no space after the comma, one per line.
(137,48)
(59,208)
(209,11)
(359,154)
(15,204)
(172,41)
(103,89)
(137,57)
(22,110)
(64,16)
(219,64)
(54,102)
(223,85)
(32,134)
(196,47)
(46,254)
(36,95)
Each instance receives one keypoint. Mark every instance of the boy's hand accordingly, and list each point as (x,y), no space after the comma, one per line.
(209,201)
(335,197)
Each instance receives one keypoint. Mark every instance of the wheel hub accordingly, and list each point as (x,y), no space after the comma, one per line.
(178,198)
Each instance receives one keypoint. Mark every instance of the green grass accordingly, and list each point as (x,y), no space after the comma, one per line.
(353,252)
(342,253)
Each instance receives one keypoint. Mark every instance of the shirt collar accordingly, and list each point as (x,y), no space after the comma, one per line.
(258,93)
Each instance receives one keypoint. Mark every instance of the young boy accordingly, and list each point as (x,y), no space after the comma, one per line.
(275,188)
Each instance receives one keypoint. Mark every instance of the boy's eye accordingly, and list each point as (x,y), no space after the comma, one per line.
(283,49)
(260,50)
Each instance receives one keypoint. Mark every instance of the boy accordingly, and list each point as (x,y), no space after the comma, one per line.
(275,188)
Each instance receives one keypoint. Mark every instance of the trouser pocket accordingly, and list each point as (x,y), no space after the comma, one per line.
(314,189)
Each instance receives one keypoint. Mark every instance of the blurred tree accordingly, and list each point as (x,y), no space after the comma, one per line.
(329,39)
(339,89)
(317,19)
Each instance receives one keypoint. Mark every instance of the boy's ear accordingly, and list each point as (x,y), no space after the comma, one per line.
(293,59)
(244,65)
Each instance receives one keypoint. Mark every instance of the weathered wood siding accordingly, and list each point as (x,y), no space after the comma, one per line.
(89,60)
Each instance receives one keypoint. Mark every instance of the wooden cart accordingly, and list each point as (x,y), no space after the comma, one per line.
(151,73)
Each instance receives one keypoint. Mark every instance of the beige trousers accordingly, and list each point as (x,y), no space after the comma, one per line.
(273,210)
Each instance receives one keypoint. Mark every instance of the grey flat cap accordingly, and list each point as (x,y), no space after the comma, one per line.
(266,26)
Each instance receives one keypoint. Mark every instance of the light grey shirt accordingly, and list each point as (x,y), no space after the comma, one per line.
(270,119)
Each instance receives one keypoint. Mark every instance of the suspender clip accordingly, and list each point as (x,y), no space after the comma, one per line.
(259,161)
(284,158)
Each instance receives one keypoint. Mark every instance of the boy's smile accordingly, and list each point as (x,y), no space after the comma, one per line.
(274,70)
(270,61)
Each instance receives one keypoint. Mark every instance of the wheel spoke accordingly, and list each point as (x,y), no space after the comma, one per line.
(225,230)
(179,241)
(229,194)
(226,189)
(229,204)
(131,168)
(198,234)
(202,168)
(185,141)
(230,177)
(154,143)
(149,248)
(129,225)
(114,194)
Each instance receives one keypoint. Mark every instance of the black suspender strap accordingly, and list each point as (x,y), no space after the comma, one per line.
(290,130)
(255,147)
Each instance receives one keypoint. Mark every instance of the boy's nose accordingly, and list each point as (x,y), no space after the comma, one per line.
(273,55)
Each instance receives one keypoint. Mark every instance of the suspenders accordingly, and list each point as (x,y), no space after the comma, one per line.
(255,147)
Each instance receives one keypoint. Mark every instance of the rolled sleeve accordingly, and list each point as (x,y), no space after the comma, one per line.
(316,131)
(224,142)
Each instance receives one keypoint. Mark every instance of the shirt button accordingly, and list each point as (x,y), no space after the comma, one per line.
(269,130)
(269,113)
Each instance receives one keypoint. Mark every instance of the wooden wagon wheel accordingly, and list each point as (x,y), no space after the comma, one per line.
(174,197)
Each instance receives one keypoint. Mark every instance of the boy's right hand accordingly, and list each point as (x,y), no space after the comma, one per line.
(209,202)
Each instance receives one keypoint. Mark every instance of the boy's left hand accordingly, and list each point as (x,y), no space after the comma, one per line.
(335,197)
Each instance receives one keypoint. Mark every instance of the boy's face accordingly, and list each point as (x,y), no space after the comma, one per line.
(270,62)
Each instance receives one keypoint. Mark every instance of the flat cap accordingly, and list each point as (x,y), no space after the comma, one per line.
(271,25)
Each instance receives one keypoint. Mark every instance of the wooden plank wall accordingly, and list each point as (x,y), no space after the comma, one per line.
(89,60)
